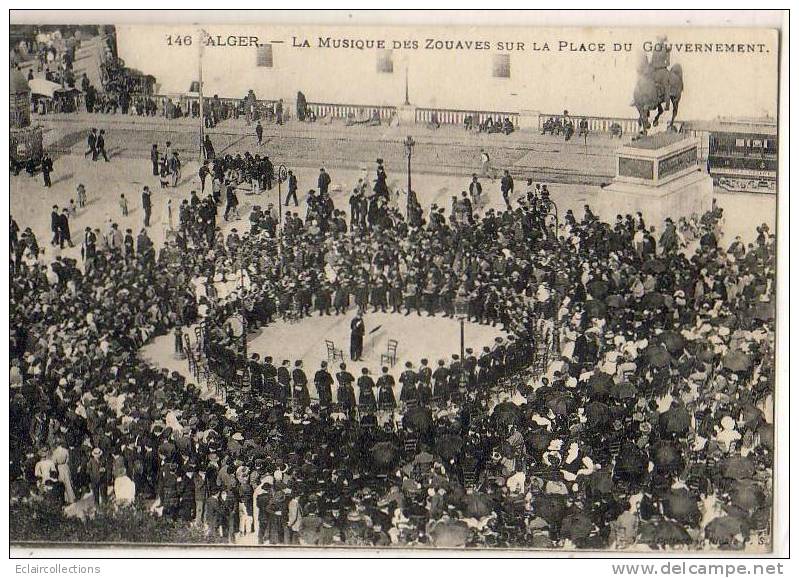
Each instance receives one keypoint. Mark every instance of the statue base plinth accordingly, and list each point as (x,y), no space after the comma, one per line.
(659,177)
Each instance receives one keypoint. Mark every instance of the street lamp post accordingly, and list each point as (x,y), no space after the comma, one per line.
(243,312)
(409,144)
(551,210)
(462,310)
(282,175)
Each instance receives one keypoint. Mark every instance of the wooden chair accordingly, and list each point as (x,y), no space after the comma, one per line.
(332,353)
(411,442)
(390,356)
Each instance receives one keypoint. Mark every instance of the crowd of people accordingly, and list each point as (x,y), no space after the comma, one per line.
(650,424)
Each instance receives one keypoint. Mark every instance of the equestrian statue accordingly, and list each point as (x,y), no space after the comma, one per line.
(658,86)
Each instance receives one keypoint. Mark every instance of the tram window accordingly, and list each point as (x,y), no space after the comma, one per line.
(740,142)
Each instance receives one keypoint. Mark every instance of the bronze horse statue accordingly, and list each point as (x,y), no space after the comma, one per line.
(651,95)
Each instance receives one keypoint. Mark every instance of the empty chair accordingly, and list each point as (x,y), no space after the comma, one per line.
(390,356)
(332,353)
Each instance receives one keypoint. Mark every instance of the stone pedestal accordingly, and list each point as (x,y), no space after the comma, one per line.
(406,114)
(659,176)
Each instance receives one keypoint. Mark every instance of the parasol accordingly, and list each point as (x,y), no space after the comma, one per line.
(672,341)
(737,361)
(738,468)
(448,446)
(418,419)
(657,356)
(682,507)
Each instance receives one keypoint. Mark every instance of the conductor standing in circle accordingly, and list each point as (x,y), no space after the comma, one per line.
(357,329)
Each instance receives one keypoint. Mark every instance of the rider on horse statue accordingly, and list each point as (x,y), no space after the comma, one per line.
(660,62)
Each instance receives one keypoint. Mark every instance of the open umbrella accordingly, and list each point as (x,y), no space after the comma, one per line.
(383,454)
(737,361)
(747,495)
(595,308)
(560,403)
(765,311)
(652,300)
(449,534)
(682,507)
(506,413)
(766,433)
(657,356)
(418,419)
(667,457)
(600,383)
(540,440)
(661,533)
(737,468)
(675,420)
(597,415)
(632,464)
(448,446)
(598,289)
(623,390)
(723,530)
(424,458)
(576,526)
(653,266)
(615,301)
(673,341)
(551,507)
(478,505)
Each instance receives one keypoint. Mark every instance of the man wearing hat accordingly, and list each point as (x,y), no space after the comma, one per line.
(345,394)
(324,385)
(98,476)
(385,391)
(357,331)
(408,378)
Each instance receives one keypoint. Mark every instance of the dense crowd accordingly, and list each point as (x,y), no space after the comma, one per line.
(651,426)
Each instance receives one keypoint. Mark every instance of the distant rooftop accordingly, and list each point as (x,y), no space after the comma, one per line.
(657,141)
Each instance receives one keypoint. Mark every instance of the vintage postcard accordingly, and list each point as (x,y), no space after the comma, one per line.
(393,287)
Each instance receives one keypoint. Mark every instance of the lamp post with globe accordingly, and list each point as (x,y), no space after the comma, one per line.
(409,144)
(462,310)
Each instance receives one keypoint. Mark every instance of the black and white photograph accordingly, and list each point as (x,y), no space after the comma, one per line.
(282,287)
